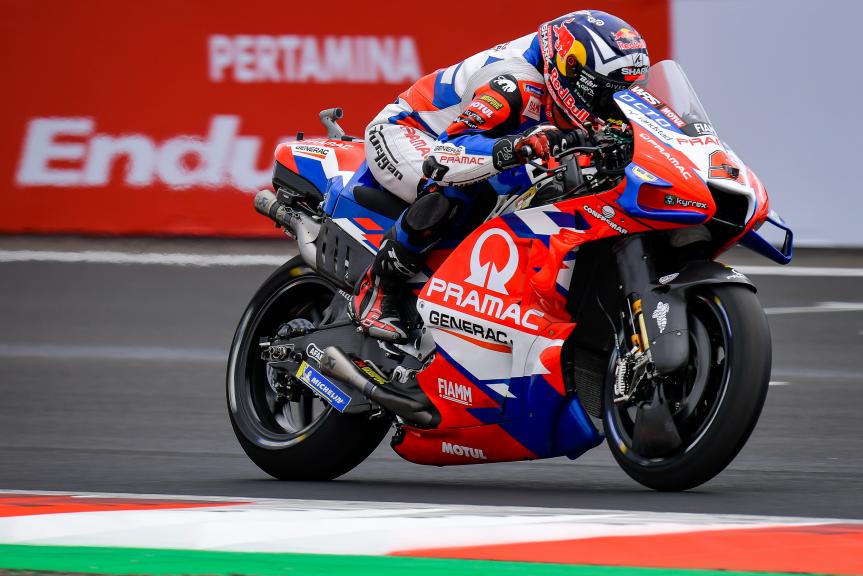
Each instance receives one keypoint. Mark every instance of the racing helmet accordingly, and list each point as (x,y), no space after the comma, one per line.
(589,55)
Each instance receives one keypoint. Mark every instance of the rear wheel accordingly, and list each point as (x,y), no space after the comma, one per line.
(713,404)
(290,435)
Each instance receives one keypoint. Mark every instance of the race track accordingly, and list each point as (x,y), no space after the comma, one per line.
(112,380)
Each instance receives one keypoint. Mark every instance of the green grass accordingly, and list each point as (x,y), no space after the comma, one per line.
(153,562)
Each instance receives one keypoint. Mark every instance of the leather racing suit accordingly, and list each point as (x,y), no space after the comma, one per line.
(441,140)
(453,117)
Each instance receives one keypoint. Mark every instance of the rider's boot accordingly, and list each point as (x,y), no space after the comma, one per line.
(374,304)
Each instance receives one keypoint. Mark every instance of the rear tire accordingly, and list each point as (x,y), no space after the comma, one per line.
(332,443)
(740,328)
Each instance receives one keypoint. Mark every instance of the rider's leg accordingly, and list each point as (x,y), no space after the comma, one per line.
(395,155)
(402,254)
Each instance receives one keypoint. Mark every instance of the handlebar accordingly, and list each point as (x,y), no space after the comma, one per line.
(607,158)
(569,145)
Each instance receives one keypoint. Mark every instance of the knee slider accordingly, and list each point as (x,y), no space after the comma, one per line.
(430,217)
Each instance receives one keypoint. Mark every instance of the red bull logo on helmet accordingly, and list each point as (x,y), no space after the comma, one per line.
(628,39)
(564,98)
(563,38)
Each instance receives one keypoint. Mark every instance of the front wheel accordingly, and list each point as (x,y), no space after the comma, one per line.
(292,436)
(712,405)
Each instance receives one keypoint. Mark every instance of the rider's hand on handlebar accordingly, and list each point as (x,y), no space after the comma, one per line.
(540,142)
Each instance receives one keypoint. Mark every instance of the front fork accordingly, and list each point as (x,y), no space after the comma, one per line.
(658,326)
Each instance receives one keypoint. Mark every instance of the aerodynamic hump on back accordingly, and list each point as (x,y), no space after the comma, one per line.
(321,162)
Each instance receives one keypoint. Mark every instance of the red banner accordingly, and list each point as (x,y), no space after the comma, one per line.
(160,117)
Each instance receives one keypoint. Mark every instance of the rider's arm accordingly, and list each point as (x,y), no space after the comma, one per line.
(480,142)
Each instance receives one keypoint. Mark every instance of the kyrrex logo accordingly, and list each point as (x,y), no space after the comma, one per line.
(488,274)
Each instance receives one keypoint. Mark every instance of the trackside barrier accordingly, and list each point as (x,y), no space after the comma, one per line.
(160,117)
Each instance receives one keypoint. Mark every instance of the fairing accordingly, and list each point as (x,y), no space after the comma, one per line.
(678,150)
(495,304)
(334,167)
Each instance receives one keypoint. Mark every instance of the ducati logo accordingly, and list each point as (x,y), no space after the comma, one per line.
(487,274)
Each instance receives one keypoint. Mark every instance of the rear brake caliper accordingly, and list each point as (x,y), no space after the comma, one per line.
(276,349)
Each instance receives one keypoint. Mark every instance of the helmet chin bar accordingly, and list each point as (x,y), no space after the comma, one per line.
(601,89)
(561,120)
(564,98)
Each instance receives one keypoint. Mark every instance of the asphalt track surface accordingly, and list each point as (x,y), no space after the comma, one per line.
(112,380)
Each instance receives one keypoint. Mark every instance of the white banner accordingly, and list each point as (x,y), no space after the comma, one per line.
(778,78)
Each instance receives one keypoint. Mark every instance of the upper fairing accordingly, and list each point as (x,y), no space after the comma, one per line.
(675,137)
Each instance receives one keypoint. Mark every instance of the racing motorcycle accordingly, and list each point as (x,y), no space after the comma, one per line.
(590,305)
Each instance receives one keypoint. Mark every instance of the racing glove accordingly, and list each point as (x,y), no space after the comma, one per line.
(544,141)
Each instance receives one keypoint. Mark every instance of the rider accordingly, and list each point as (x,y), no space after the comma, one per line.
(459,132)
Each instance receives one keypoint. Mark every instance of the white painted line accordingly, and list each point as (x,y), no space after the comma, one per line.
(801,271)
(778,383)
(799,373)
(818,307)
(96,352)
(145,258)
(329,527)
(204,260)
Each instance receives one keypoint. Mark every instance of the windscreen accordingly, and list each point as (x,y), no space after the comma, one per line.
(667,81)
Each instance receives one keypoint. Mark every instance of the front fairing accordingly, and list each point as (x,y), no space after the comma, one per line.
(680,164)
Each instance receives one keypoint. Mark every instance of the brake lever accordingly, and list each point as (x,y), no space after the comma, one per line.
(527,152)
(538,165)
(561,155)
(576,149)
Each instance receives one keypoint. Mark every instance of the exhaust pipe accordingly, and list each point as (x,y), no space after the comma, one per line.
(336,364)
(299,224)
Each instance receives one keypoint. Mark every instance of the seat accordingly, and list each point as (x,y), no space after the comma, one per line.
(380,201)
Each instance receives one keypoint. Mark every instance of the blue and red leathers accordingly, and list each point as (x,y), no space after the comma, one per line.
(462,129)
(443,139)
(451,119)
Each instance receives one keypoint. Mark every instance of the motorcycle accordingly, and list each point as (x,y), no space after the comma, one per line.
(590,305)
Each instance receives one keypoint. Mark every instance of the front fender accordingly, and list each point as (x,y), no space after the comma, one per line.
(664,305)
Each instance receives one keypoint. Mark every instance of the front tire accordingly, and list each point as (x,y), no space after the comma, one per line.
(731,341)
(313,442)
